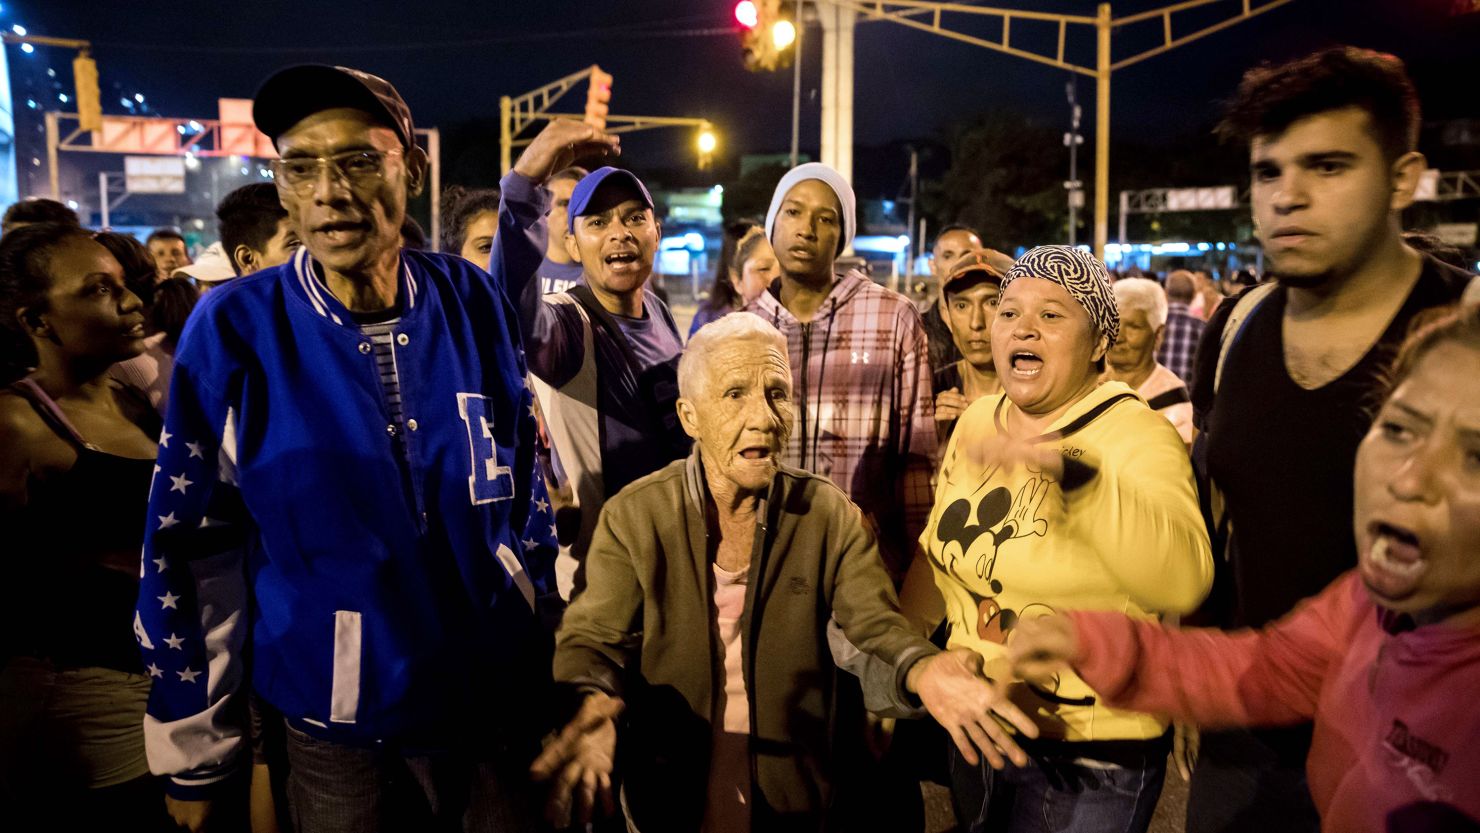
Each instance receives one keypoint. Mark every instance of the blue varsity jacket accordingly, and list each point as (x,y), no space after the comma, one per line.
(375,582)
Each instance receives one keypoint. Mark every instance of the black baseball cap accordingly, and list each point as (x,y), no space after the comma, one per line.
(297,92)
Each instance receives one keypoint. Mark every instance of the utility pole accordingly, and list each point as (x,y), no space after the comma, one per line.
(796,87)
(917,245)
(1073,140)
(1102,127)
(838,21)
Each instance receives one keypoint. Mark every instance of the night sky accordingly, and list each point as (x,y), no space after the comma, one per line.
(452,60)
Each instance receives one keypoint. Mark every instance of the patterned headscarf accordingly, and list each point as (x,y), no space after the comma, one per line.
(1079,272)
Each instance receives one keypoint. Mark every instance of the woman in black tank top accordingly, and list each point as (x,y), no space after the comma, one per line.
(76,460)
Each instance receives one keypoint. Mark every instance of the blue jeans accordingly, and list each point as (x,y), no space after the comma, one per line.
(1090,787)
(334,788)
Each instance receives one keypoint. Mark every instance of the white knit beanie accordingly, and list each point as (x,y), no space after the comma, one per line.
(828,177)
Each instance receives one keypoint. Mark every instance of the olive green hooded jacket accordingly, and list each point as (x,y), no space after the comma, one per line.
(644,629)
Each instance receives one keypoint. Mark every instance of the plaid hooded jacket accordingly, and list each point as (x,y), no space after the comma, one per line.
(865,417)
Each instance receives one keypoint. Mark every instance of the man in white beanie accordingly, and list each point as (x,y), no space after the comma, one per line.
(864,413)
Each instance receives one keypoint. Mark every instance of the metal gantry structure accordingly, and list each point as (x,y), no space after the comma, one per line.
(1456,185)
(517,113)
(205,138)
(930,17)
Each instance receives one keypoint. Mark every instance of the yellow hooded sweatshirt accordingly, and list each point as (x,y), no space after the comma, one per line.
(1009,545)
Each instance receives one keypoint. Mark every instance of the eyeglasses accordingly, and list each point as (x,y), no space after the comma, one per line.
(356,166)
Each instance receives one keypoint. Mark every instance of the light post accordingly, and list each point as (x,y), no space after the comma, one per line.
(517,113)
(796,88)
(1073,140)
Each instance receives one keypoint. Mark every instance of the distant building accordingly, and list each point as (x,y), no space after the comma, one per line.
(9,188)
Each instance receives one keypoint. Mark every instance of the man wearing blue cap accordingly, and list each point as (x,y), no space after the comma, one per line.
(346,518)
(606,348)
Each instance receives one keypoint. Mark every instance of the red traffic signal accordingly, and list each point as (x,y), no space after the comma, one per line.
(598,98)
(746,14)
(765,34)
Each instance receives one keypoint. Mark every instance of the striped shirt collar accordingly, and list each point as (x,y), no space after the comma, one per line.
(324,302)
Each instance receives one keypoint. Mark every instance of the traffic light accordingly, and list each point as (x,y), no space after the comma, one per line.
(598,98)
(89,100)
(706,142)
(765,34)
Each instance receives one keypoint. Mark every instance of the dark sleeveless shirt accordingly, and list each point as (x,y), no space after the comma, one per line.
(73,571)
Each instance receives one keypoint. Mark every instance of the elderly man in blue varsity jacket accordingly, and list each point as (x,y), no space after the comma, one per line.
(345,518)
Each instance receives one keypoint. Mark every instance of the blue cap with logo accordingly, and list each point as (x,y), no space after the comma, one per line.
(585,191)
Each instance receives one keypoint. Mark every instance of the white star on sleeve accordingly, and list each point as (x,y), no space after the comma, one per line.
(164,438)
(188,676)
(174,641)
(161,563)
(554,531)
(167,521)
(168,600)
(529,544)
(155,671)
(542,505)
(195,450)
(181,483)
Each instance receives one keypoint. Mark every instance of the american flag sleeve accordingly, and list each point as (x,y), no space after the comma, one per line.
(191,616)
(540,544)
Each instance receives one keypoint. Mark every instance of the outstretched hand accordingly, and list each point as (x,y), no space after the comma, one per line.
(578,763)
(962,700)
(949,405)
(560,144)
(1042,648)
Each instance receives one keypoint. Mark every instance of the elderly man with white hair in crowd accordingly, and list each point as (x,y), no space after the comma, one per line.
(712,582)
(1132,359)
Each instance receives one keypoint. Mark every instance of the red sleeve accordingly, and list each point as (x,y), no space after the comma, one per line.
(1215,678)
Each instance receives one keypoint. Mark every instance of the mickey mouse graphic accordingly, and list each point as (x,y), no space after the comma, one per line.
(1000,517)
(1003,517)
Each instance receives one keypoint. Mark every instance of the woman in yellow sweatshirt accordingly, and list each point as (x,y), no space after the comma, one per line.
(1060,493)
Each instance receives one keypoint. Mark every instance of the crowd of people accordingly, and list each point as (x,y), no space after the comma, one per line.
(482,540)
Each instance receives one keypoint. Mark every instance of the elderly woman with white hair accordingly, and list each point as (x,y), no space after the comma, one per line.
(1062,492)
(712,582)
(1143,316)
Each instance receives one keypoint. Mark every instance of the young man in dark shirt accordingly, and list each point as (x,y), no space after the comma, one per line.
(951,244)
(1333,158)
(603,353)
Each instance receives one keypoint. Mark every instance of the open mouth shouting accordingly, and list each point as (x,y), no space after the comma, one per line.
(1025,364)
(1394,561)
(622,261)
(756,454)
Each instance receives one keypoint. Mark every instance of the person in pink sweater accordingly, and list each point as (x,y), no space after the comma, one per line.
(1385,660)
